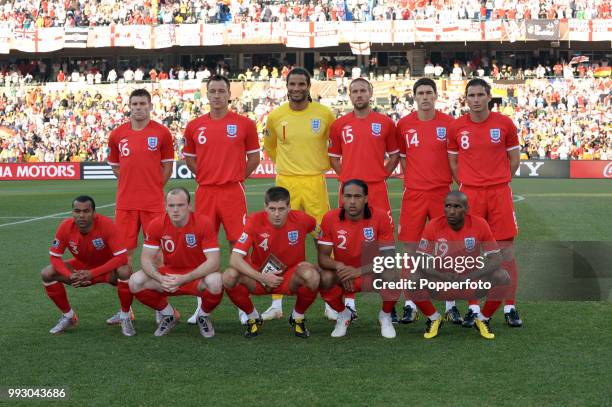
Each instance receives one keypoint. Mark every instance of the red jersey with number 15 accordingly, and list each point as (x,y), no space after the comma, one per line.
(349,238)
(139,154)
(287,243)
(220,147)
(423,144)
(183,247)
(94,248)
(362,144)
(483,149)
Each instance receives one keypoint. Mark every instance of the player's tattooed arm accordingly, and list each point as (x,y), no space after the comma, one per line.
(391,163)
(269,280)
(148,263)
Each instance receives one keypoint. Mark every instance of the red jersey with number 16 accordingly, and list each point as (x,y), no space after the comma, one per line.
(139,154)
(483,149)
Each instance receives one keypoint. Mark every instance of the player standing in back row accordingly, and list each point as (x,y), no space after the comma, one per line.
(141,156)
(221,150)
(297,139)
(483,153)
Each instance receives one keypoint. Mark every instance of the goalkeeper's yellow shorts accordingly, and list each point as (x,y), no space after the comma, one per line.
(308,193)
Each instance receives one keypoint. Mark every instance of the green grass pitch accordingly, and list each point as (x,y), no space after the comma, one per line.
(561,357)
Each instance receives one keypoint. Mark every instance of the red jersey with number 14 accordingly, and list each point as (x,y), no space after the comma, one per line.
(362,144)
(287,243)
(183,247)
(94,248)
(139,154)
(349,238)
(483,149)
(423,144)
(220,147)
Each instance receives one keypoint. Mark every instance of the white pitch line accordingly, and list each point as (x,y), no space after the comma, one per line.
(47,217)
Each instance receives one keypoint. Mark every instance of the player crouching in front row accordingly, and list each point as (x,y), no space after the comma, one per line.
(100,256)
(191,262)
(354,233)
(276,265)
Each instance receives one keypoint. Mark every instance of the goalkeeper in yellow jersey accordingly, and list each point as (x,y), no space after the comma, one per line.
(296,140)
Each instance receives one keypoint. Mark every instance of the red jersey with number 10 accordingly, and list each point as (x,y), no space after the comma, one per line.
(139,154)
(287,243)
(362,144)
(220,147)
(183,247)
(423,144)
(483,149)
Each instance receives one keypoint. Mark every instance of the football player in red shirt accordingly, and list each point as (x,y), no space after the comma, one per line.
(100,256)
(276,264)
(141,156)
(358,143)
(346,233)
(421,137)
(468,241)
(221,150)
(191,264)
(483,153)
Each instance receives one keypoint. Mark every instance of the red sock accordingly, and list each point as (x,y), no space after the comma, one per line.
(210,301)
(125,295)
(241,298)
(305,298)
(510,266)
(490,307)
(57,293)
(153,299)
(350,295)
(333,297)
(426,307)
(474,302)
(387,306)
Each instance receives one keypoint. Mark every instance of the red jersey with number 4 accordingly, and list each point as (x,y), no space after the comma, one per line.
(139,155)
(472,240)
(287,243)
(183,247)
(94,248)
(220,147)
(349,238)
(423,145)
(483,149)
(362,144)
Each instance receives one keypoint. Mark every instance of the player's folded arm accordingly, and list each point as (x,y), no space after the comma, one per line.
(324,252)
(147,261)
(242,266)
(493,260)
(58,265)
(119,259)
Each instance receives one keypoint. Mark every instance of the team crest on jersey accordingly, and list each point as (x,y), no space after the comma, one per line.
(368,233)
(495,135)
(98,243)
(190,239)
(243,237)
(423,244)
(470,243)
(315,125)
(441,133)
(232,130)
(55,243)
(293,236)
(152,143)
(376,129)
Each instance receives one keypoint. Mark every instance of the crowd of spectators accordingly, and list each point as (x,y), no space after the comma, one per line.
(70,13)
(556,118)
